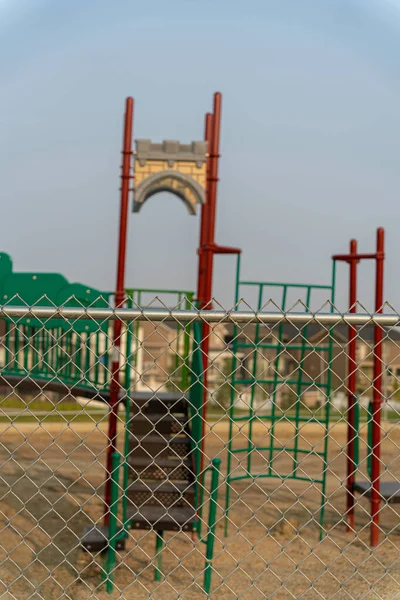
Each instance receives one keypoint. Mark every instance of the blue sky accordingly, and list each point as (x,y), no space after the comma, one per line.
(310,145)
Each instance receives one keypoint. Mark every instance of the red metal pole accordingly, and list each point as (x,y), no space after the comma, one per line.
(207,246)
(212,181)
(126,177)
(204,220)
(377,394)
(211,201)
(351,388)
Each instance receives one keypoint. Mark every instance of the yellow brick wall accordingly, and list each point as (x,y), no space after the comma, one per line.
(156,166)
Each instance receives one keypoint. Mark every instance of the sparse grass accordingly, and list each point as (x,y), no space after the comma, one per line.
(14,408)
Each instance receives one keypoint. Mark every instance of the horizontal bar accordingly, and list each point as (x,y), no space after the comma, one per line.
(280,419)
(216,249)
(278,382)
(131,291)
(347,257)
(281,346)
(188,316)
(275,449)
(287,285)
(267,476)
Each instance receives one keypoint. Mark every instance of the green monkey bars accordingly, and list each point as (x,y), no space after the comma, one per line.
(275,347)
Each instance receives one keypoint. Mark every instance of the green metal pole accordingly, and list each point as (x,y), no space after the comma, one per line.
(126,462)
(45,360)
(195,407)
(128,371)
(129,335)
(357,433)
(327,408)
(16,348)
(137,331)
(42,349)
(55,341)
(51,351)
(275,383)
(158,557)
(186,346)
(26,347)
(87,356)
(212,520)
(250,445)
(300,384)
(232,404)
(178,359)
(112,528)
(97,360)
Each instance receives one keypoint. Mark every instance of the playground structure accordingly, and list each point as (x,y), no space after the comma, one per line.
(191,173)
(374,489)
(157,481)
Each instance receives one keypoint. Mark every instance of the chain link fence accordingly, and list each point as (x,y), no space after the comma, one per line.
(143,466)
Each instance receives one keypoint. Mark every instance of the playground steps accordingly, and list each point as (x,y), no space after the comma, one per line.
(161,490)
(389,491)
(95,538)
(162,402)
(171,447)
(174,467)
(161,483)
(162,519)
(167,423)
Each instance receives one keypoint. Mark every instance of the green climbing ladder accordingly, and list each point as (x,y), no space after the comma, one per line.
(272,345)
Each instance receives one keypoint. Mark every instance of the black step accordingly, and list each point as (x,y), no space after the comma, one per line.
(160,446)
(161,518)
(168,423)
(164,494)
(159,468)
(159,402)
(95,538)
(389,491)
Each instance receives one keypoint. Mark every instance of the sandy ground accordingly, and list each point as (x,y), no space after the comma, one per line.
(51,486)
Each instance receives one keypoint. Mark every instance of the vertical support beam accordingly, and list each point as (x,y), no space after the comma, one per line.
(212,521)
(352,433)
(211,197)
(126,177)
(128,382)
(232,399)
(377,393)
(110,558)
(300,387)
(204,218)
(252,412)
(158,558)
(209,248)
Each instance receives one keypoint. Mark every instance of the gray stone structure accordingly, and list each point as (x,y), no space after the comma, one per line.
(173,167)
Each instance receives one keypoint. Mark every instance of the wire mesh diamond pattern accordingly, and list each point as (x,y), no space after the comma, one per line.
(262,464)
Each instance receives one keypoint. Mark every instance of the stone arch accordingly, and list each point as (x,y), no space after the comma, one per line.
(177,183)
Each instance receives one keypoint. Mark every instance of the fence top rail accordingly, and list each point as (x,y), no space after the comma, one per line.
(190,316)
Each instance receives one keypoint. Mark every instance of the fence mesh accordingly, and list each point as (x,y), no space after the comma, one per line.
(237,454)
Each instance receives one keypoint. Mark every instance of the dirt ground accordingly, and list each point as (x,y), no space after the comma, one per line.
(52,484)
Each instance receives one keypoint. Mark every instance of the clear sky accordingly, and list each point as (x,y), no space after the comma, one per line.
(310,145)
